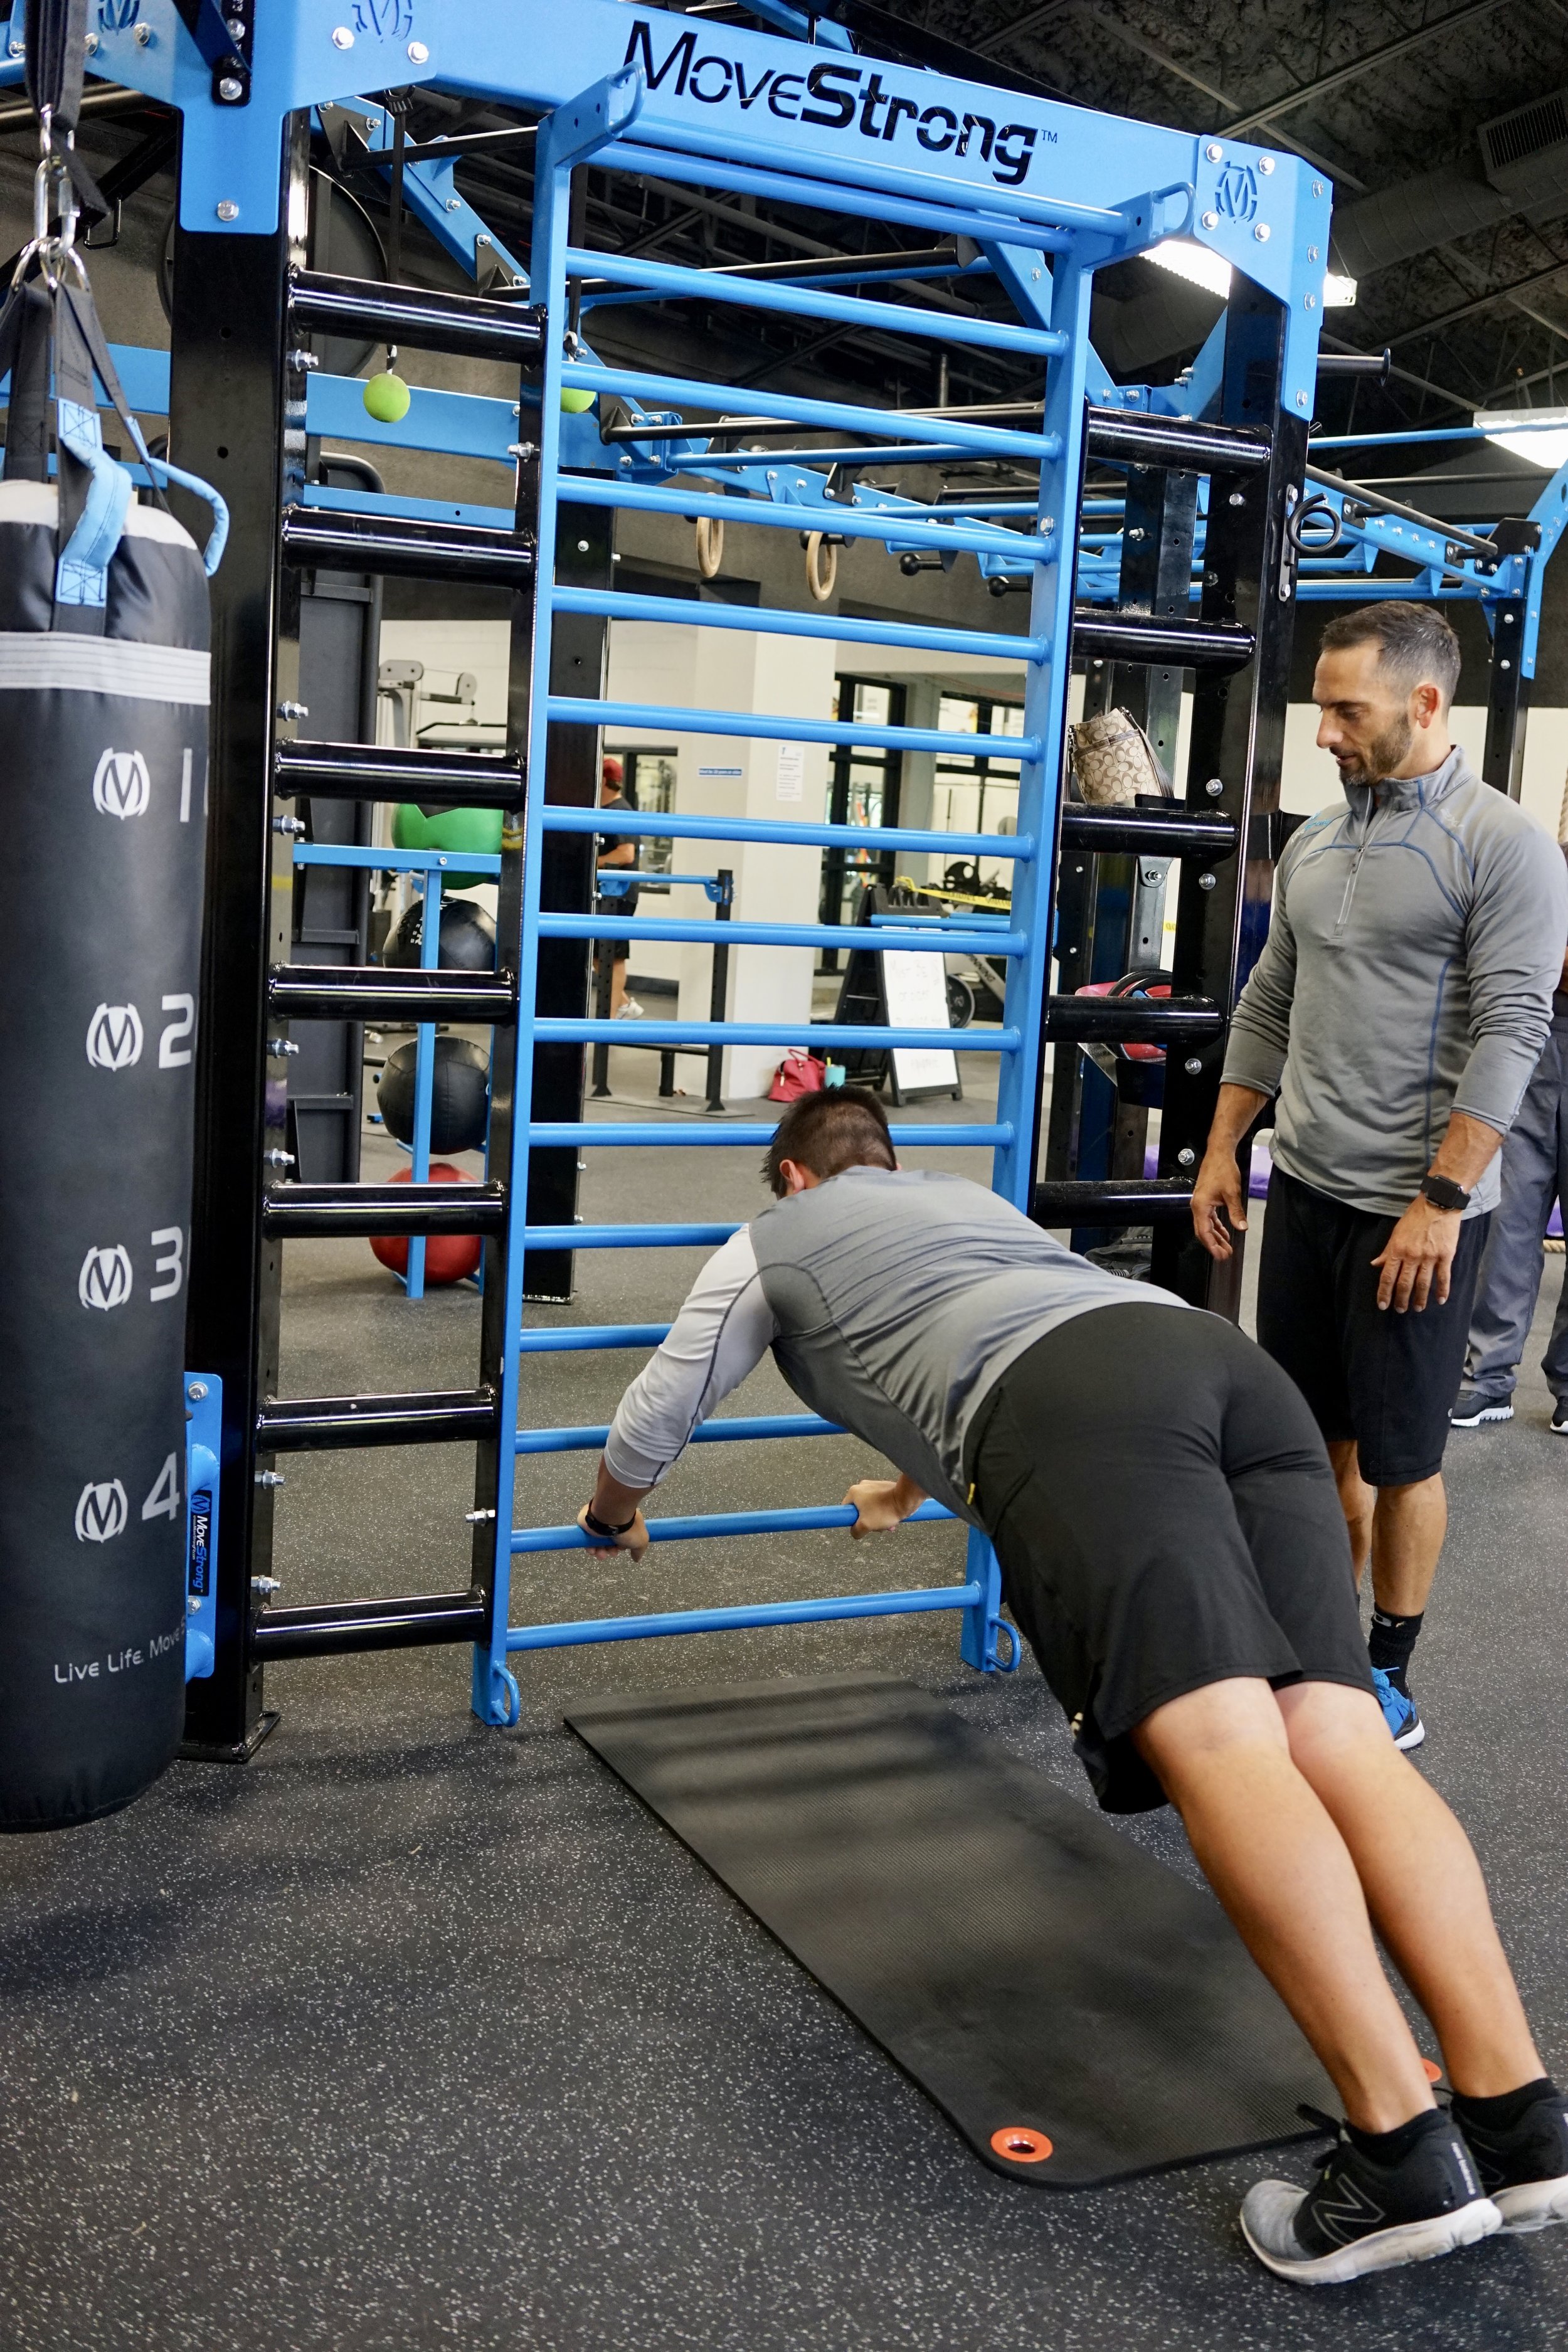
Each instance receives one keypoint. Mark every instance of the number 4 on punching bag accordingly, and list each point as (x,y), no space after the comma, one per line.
(103,712)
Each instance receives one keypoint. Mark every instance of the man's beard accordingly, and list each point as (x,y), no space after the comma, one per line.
(1382,755)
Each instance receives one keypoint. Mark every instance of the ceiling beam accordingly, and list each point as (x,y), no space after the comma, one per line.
(1447,318)
(1307,91)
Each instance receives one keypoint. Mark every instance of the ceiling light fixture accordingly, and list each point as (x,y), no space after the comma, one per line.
(1203,268)
(1339,293)
(1539,435)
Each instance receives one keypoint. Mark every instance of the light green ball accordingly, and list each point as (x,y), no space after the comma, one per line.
(386,398)
(575,402)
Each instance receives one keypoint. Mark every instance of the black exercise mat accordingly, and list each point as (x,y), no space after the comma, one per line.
(1038,1974)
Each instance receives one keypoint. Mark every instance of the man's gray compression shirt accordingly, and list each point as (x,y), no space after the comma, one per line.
(893,1301)
(1415,940)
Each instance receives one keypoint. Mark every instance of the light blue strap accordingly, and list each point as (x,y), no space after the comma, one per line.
(81,575)
(212,553)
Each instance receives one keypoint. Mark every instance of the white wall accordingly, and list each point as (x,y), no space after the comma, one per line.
(1312,781)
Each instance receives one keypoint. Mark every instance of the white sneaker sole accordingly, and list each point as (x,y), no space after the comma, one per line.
(1476,1419)
(1535,2205)
(1388,2249)
(1411,1738)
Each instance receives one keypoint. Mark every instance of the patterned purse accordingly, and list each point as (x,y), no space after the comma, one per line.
(1113,760)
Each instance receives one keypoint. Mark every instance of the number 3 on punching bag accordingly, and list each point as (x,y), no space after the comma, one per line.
(103,714)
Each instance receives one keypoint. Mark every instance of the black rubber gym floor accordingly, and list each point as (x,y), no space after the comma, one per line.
(413,2032)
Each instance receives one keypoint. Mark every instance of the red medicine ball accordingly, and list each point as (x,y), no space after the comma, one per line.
(448,1257)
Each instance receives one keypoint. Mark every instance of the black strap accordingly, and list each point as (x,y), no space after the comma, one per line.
(57,60)
(25,331)
(86,317)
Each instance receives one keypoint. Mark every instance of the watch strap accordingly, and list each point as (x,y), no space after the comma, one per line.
(598,1527)
(1444,1194)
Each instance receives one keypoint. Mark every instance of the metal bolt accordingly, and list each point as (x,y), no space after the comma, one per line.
(1266,164)
(1261,232)
(1237,498)
(1300,400)
(227,209)
(267,1583)
(293,710)
(1214,788)
(1192,1065)
(1213,151)
(1207,881)
(1317,187)
(418,55)
(478,1519)
(144,36)
(18,49)
(582,547)
(1311,253)
(288,826)
(1509,619)
(235,26)
(453,204)
(1187,1157)
(229,90)
(281,1045)
(342,37)
(192,1604)
(1211,220)
(1311,301)
(278,1159)
(90,44)
(196,1390)
(303,362)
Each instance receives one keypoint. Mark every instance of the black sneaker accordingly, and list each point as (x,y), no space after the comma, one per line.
(1472,1408)
(1362,2216)
(1559,1417)
(1524,2170)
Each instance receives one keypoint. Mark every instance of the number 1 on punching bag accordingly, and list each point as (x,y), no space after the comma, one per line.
(103,712)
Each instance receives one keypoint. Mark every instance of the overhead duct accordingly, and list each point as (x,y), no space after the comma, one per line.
(1525,156)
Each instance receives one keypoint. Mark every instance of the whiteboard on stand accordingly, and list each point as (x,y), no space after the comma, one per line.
(914,987)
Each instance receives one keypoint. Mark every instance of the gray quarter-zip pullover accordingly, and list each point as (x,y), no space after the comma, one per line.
(1415,940)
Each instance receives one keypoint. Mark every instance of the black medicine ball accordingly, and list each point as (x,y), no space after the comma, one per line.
(468,939)
(459,1096)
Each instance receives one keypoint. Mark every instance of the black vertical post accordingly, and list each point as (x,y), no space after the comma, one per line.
(1508,689)
(719,994)
(238,419)
(1237,748)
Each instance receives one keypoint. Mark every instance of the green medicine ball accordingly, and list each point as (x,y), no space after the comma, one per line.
(476,830)
(386,398)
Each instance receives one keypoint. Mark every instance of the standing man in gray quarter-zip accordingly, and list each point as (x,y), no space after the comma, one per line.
(1397,1012)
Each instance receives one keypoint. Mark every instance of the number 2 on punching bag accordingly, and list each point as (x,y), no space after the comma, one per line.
(103,712)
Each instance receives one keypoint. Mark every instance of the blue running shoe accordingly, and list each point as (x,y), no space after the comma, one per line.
(1399,1711)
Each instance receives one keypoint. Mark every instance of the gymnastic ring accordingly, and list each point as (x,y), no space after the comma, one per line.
(821,577)
(709,545)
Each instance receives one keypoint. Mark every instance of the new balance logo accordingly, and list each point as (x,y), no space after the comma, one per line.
(101,1512)
(1348,2214)
(119,785)
(114,1037)
(105,1277)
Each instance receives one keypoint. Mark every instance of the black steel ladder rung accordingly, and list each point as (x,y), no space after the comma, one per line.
(328,1424)
(466,324)
(338,1629)
(321,537)
(370,991)
(366,771)
(1133,1020)
(372,1212)
(1118,1200)
(1182,443)
(1185,645)
(1148,833)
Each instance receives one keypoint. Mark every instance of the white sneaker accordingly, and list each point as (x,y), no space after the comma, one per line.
(629,1009)
(1560,1418)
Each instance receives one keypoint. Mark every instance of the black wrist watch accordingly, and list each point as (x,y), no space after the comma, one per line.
(1444,1194)
(598,1527)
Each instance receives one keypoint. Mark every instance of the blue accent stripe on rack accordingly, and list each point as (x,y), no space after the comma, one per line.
(557,1237)
(574,1339)
(773,1033)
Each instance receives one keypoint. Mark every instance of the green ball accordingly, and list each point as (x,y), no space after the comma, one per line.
(386,398)
(575,402)
(453,830)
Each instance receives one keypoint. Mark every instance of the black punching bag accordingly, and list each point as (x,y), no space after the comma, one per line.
(104,750)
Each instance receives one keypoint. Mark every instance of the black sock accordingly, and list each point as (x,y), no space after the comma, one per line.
(1393,2146)
(1390,1642)
(1500,2113)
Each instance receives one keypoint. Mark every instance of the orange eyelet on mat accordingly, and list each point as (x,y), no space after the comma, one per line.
(1433,2071)
(1019,2145)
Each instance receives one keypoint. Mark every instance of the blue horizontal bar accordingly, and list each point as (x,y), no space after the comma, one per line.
(791,408)
(770,1032)
(572,1339)
(773,935)
(668,279)
(375,502)
(975,643)
(395,861)
(745,1134)
(1019,547)
(730,1523)
(555,817)
(742,1427)
(947,218)
(626,1236)
(781,727)
(457,424)
(734,1621)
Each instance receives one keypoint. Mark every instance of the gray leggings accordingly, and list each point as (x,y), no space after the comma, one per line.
(1534,1174)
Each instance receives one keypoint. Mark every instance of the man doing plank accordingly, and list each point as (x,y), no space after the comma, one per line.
(1171,1544)
(1397,1012)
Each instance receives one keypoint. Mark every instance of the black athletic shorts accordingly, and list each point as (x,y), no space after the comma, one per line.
(1386,1380)
(1165,1517)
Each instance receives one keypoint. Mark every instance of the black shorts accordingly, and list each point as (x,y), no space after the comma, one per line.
(1166,1518)
(1386,1380)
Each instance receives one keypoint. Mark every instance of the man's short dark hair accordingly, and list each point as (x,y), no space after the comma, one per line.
(1414,644)
(843,1127)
